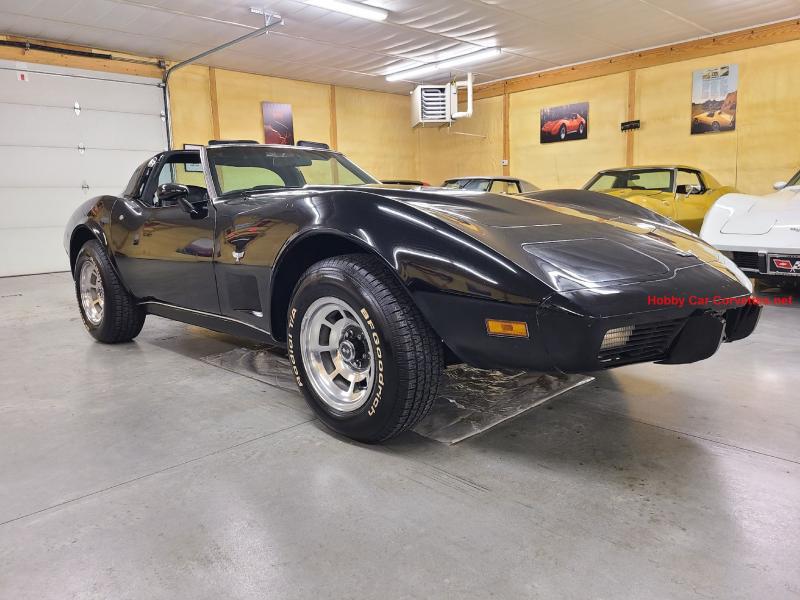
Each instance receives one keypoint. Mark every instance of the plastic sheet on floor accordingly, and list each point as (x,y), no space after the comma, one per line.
(470,400)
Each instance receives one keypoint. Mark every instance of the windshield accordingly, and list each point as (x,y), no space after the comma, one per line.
(476,185)
(258,168)
(661,180)
(794,180)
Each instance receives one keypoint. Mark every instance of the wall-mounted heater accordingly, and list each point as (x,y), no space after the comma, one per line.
(438,104)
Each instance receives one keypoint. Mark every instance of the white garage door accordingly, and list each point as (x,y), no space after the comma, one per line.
(66,135)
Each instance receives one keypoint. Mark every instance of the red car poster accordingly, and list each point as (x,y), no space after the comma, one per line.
(564,123)
(278,124)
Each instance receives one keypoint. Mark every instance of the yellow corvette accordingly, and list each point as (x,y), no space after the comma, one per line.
(683,194)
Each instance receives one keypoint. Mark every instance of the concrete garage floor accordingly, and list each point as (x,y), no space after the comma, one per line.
(137,471)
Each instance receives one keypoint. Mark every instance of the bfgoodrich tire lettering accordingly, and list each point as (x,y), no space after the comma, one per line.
(120,319)
(406,355)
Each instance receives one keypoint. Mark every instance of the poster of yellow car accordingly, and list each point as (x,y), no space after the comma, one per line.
(714,93)
(683,194)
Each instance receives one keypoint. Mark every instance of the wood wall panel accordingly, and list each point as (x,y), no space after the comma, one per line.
(190,99)
(570,163)
(240,96)
(444,153)
(766,143)
(374,130)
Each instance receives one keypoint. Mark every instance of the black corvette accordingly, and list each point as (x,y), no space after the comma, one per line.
(373,290)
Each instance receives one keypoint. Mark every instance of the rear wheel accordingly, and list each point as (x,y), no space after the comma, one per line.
(109,313)
(363,356)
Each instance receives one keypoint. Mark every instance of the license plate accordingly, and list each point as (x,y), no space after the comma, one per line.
(783,264)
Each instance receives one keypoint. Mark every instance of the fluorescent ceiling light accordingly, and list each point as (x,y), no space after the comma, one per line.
(348,7)
(466,59)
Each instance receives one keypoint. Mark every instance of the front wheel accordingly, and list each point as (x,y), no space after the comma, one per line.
(365,359)
(108,311)
(562,133)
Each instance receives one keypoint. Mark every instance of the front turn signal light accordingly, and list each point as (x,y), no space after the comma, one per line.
(507,328)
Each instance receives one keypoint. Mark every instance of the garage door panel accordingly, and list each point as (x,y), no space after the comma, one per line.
(43,174)
(32,251)
(44,89)
(40,207)
(111,169)
(24,125)
(100,129)
(40,167)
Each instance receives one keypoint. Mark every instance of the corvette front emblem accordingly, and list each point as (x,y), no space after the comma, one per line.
(786,265)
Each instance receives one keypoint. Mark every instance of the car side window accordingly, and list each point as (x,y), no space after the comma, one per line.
(690,178)
(499,187)
(185,171)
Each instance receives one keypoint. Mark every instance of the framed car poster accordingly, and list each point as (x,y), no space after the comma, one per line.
(564,123)
(278,123)
(714,93)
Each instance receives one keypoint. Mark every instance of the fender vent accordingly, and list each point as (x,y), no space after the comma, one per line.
(243,292)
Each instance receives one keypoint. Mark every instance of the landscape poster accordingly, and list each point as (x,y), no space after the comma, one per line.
(714,99)
(278,125)
(564,123)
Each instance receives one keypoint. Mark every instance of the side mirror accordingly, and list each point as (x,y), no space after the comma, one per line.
(171,192)
(176,193)
(687,189)
(779,185)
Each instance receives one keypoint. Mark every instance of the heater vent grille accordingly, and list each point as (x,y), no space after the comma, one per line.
(431,104)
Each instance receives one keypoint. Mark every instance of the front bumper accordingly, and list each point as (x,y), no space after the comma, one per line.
(563,340)
(761,264)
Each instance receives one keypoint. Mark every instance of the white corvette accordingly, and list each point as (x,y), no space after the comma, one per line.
(761,234)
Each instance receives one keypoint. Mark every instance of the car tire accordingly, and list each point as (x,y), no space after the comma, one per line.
(108,311)
(562,133)
(715,126)
(581,129)
(362,354)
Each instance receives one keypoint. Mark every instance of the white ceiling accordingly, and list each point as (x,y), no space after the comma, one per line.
(319,45)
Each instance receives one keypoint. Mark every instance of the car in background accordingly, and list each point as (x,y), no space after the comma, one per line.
(683,194)
(405,183)
(561,128)
(714,120)
(494,185)
(761,234)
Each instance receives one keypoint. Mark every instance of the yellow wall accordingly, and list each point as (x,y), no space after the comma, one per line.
(571,163)
(445,153)
(190,105)
(765,147)
(373,128)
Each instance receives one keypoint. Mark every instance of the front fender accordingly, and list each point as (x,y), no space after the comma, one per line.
(426,253)
(92,218)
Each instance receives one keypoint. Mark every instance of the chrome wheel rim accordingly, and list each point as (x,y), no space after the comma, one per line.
(91,289)
(337,354)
